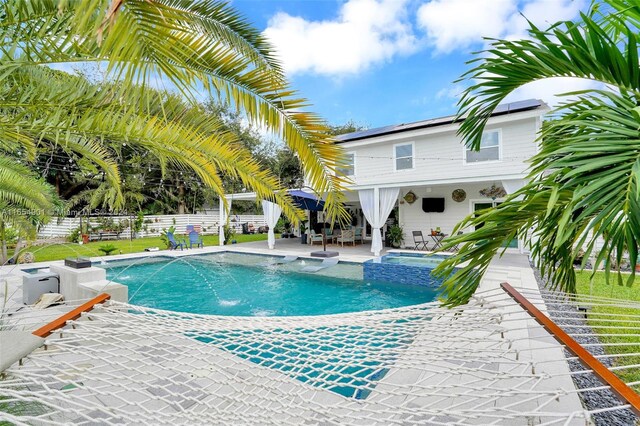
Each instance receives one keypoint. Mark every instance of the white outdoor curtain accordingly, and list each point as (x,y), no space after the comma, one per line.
(377,215)
(224,216)
(271,215)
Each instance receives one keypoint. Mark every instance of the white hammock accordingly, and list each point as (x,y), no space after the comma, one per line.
(476,364)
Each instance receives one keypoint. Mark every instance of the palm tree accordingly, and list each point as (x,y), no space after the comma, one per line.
(585,181)
(26,202)
(197,46)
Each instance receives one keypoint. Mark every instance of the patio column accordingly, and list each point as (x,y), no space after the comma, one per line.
(221,226)
(224,216)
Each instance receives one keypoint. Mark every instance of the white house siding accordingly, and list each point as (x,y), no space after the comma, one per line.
(412,218)
(439,168)
(439,154)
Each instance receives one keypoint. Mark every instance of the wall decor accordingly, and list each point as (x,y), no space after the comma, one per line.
(459,195)
(493,192)
(410,197)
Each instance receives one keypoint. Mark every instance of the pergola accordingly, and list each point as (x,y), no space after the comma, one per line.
(304,200)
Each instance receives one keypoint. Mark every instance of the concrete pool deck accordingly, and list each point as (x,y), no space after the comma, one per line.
(531,342)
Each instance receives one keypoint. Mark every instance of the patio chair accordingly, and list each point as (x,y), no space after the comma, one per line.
(347,236)
(418,240)
(315,238)
(456,247)
(357,236)
(327,263)
(173,244)
(195,239)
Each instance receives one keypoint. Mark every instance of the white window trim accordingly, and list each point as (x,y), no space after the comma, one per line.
(475,163)
(347,153)
(413,156)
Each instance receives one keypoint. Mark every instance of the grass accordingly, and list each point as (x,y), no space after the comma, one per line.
(628,318)
(63,250)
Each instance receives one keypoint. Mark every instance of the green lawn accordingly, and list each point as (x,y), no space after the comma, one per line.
(60,251)
(630,319)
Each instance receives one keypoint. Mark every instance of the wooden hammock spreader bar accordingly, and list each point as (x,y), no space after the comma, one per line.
(46,330)
(620,388)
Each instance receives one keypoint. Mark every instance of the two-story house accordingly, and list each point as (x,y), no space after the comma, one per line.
(421,176)
(439,180)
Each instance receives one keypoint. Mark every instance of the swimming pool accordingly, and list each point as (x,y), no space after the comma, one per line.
(250,285)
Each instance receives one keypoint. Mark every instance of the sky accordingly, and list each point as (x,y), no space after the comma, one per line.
(381,62)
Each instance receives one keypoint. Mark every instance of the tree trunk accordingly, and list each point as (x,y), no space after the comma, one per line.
(182,205)
(3,241)
(20,244)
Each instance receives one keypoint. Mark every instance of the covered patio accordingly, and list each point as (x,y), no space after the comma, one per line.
(363,235)
(293,246)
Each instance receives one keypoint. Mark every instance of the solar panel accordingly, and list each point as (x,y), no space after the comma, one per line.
(379,131)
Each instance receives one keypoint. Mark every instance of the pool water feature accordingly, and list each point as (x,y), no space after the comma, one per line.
(405,268)
(248,285)
(251,285)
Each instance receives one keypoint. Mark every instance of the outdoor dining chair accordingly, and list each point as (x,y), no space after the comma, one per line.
(347,236)
(418,240)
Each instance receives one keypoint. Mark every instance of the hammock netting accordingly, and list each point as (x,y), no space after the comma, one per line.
(486,362)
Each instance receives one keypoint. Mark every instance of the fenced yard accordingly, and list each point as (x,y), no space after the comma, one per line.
(152,225)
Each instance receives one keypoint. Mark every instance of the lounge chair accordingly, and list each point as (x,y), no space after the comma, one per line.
(173,244)
(326,263)
(315,238)
(347,236)
(195,239)
(418,240)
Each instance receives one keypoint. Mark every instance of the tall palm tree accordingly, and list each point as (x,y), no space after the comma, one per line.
(584,184)
(197,46)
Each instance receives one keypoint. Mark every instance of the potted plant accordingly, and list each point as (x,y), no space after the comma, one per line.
(303,233)
(396,236)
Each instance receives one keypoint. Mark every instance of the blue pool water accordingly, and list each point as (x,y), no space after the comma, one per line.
(245,285)
(249,285)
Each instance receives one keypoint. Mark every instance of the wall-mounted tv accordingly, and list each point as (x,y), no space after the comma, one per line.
(433,205)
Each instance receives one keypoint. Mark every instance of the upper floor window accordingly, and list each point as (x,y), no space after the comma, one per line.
(403,154)
(349,166)
(489,148)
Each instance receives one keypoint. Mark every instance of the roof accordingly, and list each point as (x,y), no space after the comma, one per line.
(510,108)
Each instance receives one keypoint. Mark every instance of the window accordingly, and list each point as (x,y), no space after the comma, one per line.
(404,156)
(349,166)
(489,148)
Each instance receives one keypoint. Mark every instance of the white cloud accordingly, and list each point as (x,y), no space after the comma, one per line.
(458,24)
(365,32)
(453,91)
(549,89)
(455,24)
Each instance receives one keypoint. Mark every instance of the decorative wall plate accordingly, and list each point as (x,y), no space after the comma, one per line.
(410,197)
(458,195)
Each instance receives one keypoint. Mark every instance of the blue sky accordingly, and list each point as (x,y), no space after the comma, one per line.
(381,62)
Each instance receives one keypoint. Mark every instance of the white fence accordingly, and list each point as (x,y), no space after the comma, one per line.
(154,224)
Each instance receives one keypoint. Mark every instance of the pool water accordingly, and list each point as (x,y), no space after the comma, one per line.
(247,285)
(250,285)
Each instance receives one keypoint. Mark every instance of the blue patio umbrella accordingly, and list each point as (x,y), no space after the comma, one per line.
(306,201)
